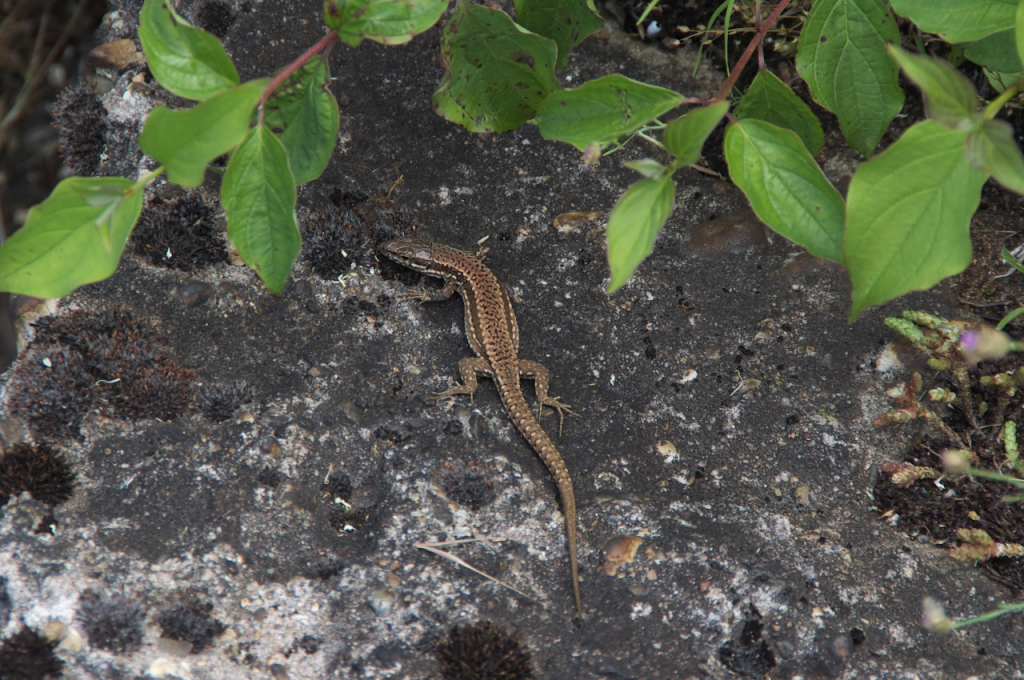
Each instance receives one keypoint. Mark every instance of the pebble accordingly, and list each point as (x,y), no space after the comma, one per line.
(619,550)
(302,289)
(54,631)
(270,446)
(841,647)
(382,601)
(174,647)
(162,668)
(733,234)
(72,641)
(193,293)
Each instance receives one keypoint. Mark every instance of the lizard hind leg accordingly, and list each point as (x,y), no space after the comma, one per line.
(468,369)
(541,378)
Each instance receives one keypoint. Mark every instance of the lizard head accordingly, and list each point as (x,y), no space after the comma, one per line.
(414,253)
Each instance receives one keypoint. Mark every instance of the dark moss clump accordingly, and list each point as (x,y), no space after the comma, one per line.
(178,234)
(191,622)
(325,567)
(218,402)
(26,655)
(468,485)
(88,359)
(337,486)
(215,17)
(81,119)
(335,240)
(112,623)
(748,654)
(482,651)
(41,470)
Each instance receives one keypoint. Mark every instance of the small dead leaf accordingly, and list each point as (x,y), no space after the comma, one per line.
(571,221)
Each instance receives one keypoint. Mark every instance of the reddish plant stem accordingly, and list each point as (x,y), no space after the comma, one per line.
(726,88)
(760,45)
(286,73)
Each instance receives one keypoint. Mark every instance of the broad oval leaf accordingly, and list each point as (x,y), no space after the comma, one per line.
(497,73)
(389,22)
(949,97)
(771,100)
(634,223)
(785,187)
(567,22)
(997,51)
(957,21)
(304,116)
(185,60)
(258,195)
(1019,32)
(908,215)
(185,141)
(72,238)
(991,149)
(603,110)
(843,59)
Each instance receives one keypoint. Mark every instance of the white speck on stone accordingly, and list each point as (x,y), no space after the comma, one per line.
(640,610)
(162,668)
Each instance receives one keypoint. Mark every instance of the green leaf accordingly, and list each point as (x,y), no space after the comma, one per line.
(991,149)
(997,51)
(497,73)
(949,97)
(786,188)
(1000,81)
(304,116)
(72,238)
(771,100)
(603,110)
(648,167)
(258,195)
(187,61)
(957,21)
(389,22)
(567,22)
(634,223)
(843,59)
(185,141)
(1019,32)
(1000,326)
(1009,259)
(685,136)
(908,215)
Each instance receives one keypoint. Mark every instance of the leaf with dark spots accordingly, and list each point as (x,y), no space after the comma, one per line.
(497,73)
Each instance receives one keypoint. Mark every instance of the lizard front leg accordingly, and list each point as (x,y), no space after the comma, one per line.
(468,369)
(541,378)
(422,295)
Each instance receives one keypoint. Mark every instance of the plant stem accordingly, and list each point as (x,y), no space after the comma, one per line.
(726,88)
(291,68)
(999,611)
(996,104)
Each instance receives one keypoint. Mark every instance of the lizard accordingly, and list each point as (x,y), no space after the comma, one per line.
(493,334)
